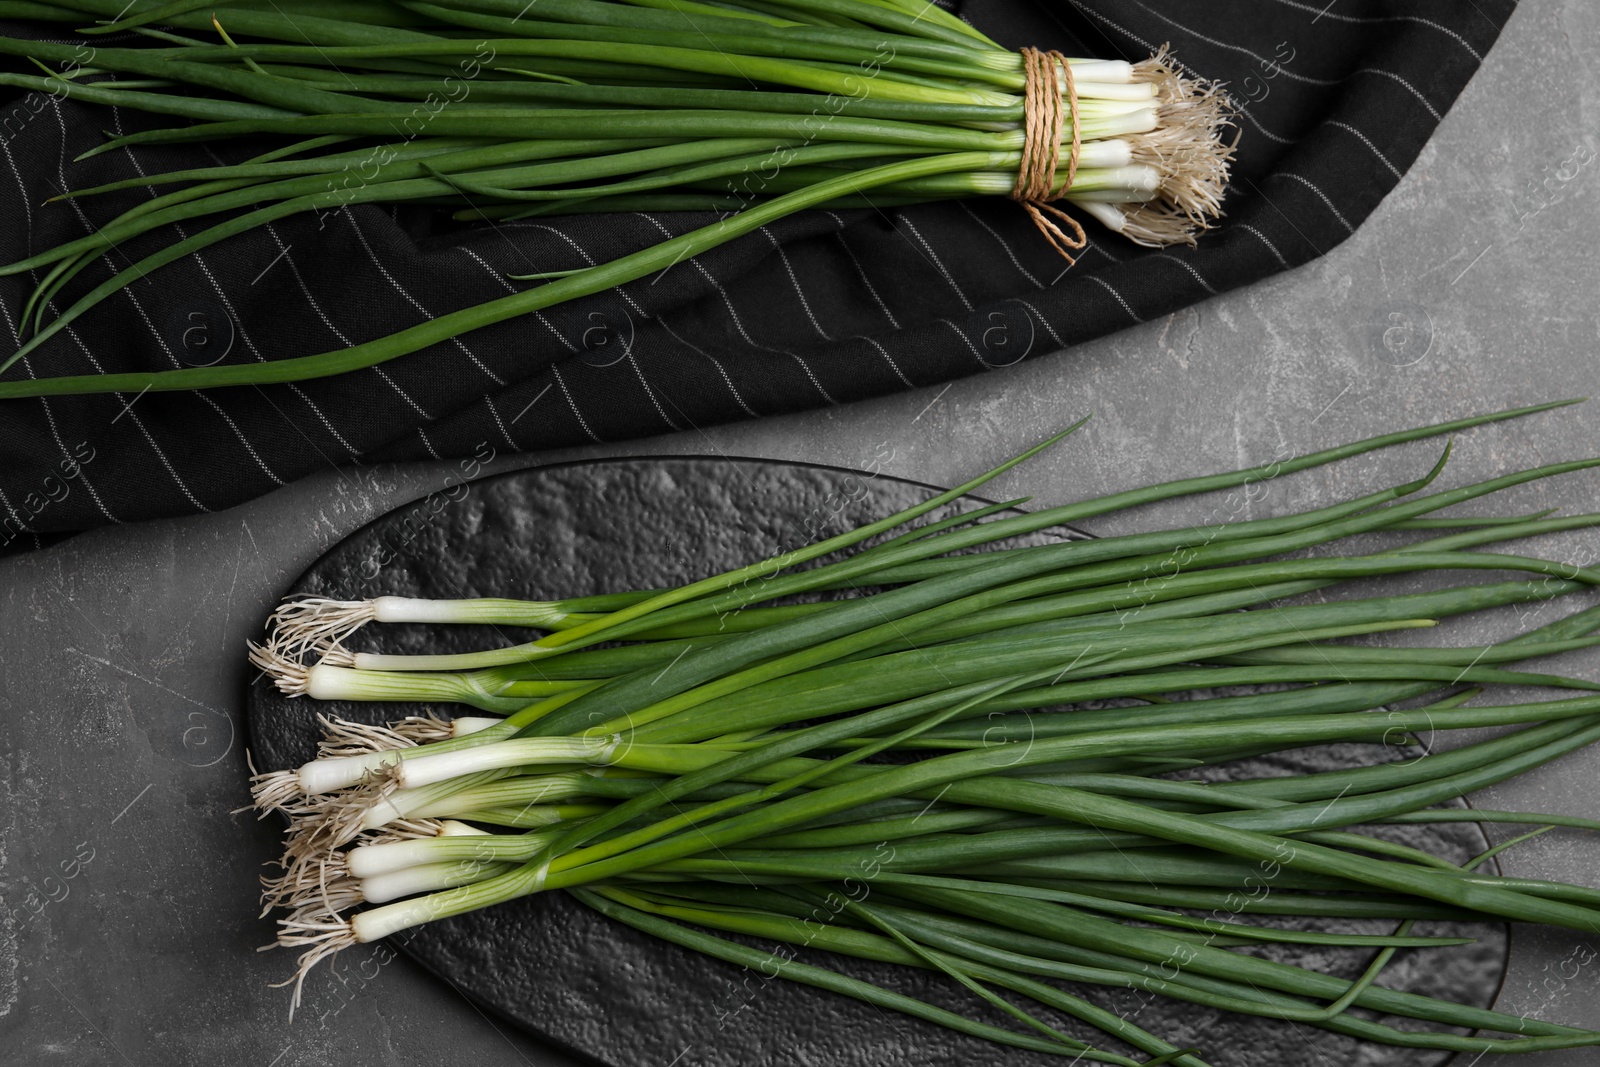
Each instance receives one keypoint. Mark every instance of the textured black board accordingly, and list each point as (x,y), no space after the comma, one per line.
(604,990)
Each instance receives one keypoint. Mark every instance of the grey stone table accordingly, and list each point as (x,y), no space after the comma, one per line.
(121,674)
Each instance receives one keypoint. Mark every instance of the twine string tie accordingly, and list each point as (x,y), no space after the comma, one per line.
(1043,118)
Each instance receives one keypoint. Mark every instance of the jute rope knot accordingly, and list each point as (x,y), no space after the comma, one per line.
(1043,116)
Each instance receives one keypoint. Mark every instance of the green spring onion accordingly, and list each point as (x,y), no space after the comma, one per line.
(948,802)
(496,109)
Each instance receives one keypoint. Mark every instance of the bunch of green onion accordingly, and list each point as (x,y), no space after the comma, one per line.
(499,109)
(928,762)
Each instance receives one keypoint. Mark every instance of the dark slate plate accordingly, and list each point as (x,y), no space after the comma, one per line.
(607,992)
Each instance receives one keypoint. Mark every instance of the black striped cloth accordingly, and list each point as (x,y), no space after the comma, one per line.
(1336,98)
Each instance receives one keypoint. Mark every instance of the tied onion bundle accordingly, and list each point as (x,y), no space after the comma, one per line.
(497,109)
(909,774)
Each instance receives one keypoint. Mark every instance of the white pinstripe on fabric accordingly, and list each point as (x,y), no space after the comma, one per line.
(862,274)
(590,260)
(1263,238)
(1265,199)
(555,372)
(638,371)
(968,342)
(1364,139)
(1113,292)
(1282,68)
(715,362)
(22,527)
(1188,267)
(338,334)
(1049,329)
(739,322)
(138,422)
(1323,12)
(300,393)
(150,440)
(1096,246)
(565,341)
(461,345)
(249,446)
(1010,254)
(505,431)
(650,391)
(933,257)
(501,278)
(1262,130)
(1411,88)
(887,358)
(1098,17)
(427,444)
(1309,184)
(799,292)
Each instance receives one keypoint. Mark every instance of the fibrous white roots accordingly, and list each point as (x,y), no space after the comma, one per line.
(316,624)
(1187,148)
